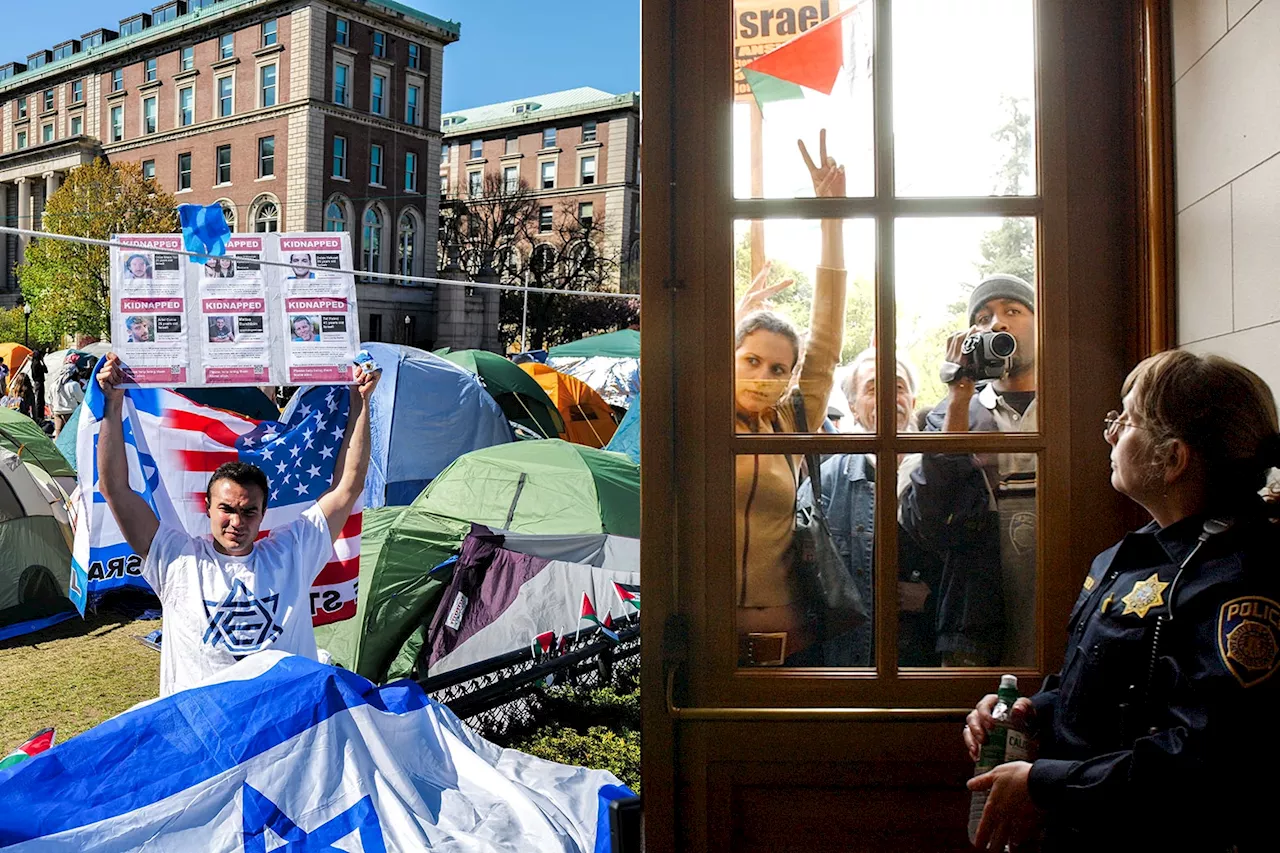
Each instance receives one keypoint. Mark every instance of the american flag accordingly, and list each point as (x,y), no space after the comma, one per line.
(174,444)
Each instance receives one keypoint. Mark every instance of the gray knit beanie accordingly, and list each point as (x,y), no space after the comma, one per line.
(1001,286)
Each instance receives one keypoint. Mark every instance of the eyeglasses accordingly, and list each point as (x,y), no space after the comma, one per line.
(1114,422)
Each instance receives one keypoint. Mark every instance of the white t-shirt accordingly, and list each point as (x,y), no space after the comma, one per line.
(219,609)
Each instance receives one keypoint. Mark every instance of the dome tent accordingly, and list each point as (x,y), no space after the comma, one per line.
(35,547)
(587,417)
(519,394)
(425,413)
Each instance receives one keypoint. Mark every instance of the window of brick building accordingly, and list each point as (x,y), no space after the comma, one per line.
(544,219)
(149,71)
(149,169)
(589,130)
(477,149)
(266,156)
(184,171)
(513,144)
(415,55)
(227,46)
(46,133)
(339,157)
(548,175)
(188,58)
(375,164)
(586,214)
(341,75)
(379,44)
(21,141)
(548,137)
(510,179)
(117,80)
(410,172)
(117,123)
(412,95)
(342,32)
(77,125)
(587,171)
(268,33)
(223,174)
(475,184)
(186,106)
(77,91)
(377,94)
(48,100)
(266,219)
(226,96)
(267,85)
(22,108)
(149,115)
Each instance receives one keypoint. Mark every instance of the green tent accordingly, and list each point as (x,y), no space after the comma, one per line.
(519,394)
(399,546)
(623,344)
(545,487)
(548,486)
(21,435)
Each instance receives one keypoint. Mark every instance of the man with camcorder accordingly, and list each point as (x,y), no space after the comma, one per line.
(978,510)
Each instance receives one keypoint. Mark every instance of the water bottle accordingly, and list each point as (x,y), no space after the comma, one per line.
(1004,743)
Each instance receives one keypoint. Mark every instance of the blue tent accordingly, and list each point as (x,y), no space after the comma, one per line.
(426,413)
(627,438)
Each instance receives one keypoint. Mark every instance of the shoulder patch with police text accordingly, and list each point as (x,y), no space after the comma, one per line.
(1249,638)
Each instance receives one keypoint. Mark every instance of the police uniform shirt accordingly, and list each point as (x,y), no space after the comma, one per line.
(1183,751)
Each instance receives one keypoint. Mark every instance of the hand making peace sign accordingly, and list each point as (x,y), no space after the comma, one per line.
(828,176)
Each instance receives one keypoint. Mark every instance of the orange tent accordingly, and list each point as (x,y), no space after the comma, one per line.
(587,417)
(14,355)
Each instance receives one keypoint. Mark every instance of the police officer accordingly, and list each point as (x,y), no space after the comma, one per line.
(1161,729)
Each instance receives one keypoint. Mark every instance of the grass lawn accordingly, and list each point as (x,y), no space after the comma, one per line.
(74,675)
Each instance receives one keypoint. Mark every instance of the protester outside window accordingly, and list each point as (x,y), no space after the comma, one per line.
(985,615)
(1167,688)
(848,496)
(767,364)
(207,583)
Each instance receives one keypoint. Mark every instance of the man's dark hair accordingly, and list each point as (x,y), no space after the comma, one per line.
(240,473)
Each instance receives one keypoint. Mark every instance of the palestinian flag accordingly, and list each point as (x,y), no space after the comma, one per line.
(608,619)
(628,594)
(811,60)
(38,744)
(543,643)
(589,614)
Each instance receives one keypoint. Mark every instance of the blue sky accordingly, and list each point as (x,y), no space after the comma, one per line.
(509,48)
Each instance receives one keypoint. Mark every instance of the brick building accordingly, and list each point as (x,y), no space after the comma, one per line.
(578,150)
(295,115)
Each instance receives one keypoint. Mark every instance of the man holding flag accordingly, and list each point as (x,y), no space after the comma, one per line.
(228,595)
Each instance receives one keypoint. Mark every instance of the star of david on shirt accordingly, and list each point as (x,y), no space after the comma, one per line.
(242,622)
(260,814)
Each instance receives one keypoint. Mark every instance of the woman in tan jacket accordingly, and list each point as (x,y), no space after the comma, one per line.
(768,364)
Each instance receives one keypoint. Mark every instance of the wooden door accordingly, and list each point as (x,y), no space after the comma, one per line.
(866,754)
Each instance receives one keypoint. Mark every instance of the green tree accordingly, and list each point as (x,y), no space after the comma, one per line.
(1010,248)
(69,284)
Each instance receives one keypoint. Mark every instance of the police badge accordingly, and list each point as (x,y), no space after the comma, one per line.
(1249,638)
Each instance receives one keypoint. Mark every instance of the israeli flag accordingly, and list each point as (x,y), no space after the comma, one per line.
(280,753)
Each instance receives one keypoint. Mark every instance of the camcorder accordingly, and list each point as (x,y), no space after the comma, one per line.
(988,354)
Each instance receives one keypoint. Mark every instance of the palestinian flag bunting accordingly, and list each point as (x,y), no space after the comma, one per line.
(628,594)
(589,614)
(38,744)
(811,60)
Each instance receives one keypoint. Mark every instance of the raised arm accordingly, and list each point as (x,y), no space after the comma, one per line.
(352,463)
(134,516)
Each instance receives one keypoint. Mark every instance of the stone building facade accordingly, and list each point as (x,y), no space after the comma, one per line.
(294,115)
(579,152)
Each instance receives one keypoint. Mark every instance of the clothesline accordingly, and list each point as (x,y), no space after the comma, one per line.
(519,288)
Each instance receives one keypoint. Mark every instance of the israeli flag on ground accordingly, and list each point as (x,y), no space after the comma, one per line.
(283,753)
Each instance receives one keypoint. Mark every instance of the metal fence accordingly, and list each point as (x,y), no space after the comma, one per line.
(502,694)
